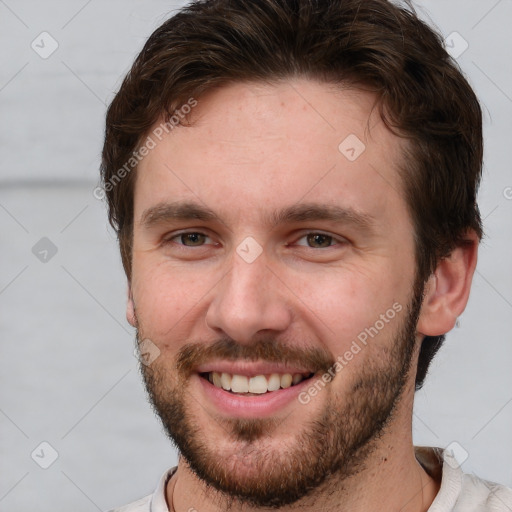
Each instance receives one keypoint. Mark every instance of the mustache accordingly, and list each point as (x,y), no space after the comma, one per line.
(267,349)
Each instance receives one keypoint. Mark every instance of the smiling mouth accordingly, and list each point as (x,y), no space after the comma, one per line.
(255,385)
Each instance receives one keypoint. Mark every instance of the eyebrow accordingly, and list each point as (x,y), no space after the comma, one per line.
(306,212)
(167,212)
(298,213)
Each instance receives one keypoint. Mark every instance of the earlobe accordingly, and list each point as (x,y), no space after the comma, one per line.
(447,290)
(130,307)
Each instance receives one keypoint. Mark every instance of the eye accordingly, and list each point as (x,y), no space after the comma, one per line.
(191,239)
(318,240)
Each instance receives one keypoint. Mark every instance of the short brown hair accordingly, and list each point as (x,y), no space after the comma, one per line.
(368,44)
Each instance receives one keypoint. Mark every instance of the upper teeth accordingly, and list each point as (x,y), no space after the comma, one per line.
(258,384)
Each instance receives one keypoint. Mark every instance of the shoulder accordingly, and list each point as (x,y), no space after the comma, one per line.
(483,496)
(142,505)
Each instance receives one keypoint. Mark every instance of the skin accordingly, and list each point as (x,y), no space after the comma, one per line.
(253,149)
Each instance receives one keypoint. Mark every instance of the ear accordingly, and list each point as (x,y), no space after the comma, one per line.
(130,307)
(447,290)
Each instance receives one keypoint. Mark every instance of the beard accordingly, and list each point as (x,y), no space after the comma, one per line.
(246,468)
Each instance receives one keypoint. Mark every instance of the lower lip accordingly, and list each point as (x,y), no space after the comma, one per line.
(255,406)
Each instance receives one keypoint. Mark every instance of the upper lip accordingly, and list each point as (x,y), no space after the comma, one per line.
(249,368)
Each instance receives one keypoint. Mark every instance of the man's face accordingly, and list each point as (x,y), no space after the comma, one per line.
(269,241)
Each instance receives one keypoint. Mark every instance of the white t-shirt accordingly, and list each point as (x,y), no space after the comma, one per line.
(459,492)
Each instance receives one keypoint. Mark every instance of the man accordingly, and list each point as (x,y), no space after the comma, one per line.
(293,184)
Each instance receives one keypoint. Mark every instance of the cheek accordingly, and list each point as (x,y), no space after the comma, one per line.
(167,299)
(347,305)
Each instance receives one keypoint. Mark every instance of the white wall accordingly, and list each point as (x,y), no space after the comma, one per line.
(67,373)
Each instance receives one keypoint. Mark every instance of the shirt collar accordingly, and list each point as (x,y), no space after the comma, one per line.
(158,500)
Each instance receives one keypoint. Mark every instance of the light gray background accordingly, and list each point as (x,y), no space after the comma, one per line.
(68,374)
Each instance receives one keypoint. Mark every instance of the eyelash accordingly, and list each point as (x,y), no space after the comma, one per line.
(341,241)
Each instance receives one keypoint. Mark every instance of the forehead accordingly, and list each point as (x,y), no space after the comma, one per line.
(252,147)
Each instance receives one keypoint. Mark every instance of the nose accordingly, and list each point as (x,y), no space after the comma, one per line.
(249,300)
